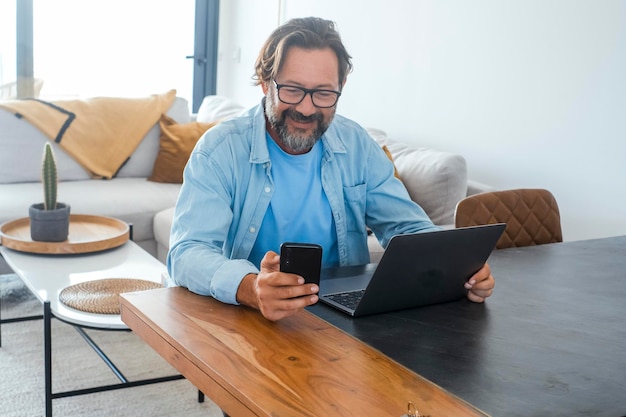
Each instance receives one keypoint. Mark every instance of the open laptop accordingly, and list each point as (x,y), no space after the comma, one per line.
(415,270)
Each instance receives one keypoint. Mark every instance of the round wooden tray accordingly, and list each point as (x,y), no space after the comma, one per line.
(87,234)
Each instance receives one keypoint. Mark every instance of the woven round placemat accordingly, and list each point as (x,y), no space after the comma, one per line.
(102,296)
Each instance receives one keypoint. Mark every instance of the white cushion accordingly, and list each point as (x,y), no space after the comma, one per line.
(217,108)
(21,150)
(435,180)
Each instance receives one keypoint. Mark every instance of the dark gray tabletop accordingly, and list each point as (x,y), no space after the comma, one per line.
(551,341)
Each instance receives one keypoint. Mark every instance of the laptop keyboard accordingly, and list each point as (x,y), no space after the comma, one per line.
(348,299)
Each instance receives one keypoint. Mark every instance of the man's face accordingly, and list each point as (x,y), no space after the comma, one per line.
(296,127)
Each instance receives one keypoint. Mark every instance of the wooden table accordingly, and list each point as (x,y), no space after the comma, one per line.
(549,342)
(299,366)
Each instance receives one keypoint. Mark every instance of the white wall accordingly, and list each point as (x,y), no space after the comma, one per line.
(532,93)
(244,26)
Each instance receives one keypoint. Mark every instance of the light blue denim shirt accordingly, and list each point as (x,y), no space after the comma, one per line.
(227,189)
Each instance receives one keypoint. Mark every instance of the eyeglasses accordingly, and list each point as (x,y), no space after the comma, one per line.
(291,94)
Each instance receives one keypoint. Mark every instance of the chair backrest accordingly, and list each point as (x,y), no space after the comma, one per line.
(531,215)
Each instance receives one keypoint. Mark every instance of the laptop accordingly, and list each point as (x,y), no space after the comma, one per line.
(415,270)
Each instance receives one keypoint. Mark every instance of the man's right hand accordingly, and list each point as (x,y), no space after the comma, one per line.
(276,294)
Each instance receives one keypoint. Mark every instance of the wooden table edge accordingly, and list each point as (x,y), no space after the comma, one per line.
(149,332)
(215,388)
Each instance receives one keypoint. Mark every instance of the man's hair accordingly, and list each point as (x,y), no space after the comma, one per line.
(307,33)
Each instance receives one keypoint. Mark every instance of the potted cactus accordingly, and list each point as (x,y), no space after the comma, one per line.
(50,220)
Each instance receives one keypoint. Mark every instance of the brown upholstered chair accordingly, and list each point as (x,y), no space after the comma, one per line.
(531,215)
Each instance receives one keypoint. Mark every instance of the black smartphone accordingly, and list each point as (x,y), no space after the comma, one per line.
(304,259)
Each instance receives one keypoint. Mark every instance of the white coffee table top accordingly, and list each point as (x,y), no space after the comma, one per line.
(47,275)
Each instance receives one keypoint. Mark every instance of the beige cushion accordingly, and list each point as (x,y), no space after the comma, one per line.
(435,180)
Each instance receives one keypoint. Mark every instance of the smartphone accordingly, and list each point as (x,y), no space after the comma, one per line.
(304,259)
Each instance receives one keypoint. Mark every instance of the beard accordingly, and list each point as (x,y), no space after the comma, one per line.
(299,141)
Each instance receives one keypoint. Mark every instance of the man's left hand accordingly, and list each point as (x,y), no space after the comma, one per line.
(480,285)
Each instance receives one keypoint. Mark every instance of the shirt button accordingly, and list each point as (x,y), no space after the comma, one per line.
(253,229)
(268,189)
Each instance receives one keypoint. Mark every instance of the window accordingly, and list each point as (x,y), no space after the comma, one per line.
(7,49)
(112,47)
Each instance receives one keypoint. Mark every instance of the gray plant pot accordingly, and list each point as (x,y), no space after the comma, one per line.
(49,225)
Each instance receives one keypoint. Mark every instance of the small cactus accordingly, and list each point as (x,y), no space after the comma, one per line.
(49,178)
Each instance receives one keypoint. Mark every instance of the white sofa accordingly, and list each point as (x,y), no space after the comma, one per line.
(436,180)
(129,197)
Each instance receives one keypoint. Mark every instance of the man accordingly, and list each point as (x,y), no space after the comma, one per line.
(289,170)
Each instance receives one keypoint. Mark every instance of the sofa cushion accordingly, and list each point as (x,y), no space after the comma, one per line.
(142,160)
(435,180)
(21,151)
(20,138)
(217,108)
(176,143)
(99,132)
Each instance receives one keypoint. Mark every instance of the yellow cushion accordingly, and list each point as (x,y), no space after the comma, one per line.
(395,170)
(176,143)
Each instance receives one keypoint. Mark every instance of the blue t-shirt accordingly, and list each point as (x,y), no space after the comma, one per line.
(299,210)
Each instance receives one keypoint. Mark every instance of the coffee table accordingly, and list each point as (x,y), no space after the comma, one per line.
(47,275)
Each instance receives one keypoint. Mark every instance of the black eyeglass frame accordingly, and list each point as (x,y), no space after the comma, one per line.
(307,91)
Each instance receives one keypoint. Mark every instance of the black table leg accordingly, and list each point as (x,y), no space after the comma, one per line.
(47,335)
(13,320)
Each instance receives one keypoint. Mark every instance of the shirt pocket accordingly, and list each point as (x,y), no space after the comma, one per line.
(354,200)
